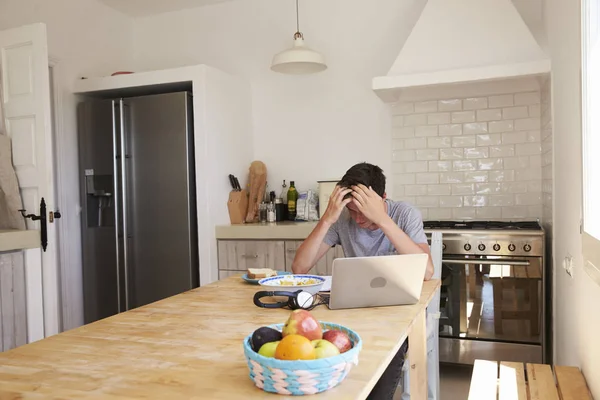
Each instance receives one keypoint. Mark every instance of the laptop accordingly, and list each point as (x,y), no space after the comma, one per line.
(393,280)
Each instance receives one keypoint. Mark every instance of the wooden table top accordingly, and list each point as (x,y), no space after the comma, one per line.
(189,346)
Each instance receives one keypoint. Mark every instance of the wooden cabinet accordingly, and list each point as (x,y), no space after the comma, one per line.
(236,256)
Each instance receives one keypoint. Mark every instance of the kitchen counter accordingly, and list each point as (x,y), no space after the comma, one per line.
(190,346)
(278,230)
(14,239)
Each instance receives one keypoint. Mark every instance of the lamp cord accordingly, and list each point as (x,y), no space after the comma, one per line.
(297,18)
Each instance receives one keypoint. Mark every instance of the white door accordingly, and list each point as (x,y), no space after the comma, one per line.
(26,97)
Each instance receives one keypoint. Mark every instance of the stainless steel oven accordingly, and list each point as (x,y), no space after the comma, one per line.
(493,295)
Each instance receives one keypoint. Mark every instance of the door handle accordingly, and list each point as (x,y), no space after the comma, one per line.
(42,219)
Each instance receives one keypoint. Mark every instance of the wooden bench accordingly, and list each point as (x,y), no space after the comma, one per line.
(493,380)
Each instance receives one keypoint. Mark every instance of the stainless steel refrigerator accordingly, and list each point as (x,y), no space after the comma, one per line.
(139,232)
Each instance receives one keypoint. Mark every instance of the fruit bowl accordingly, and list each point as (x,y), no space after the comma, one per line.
(302,377)
(309,283)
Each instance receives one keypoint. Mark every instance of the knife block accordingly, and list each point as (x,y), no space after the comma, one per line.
(237,206)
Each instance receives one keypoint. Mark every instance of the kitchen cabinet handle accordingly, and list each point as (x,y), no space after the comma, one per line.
(485,262)
(116,189)
(250,256)
(124,190)
(291,250)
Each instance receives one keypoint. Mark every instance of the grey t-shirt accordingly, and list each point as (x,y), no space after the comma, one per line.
(359,242)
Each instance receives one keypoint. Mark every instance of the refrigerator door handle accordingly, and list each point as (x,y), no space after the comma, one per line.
(116,191)
(124,199)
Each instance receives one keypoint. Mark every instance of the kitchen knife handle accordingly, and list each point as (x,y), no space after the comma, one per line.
(116,205)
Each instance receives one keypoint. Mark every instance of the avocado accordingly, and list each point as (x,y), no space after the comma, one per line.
(264,335)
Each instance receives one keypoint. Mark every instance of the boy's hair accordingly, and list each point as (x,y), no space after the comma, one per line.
(367,174)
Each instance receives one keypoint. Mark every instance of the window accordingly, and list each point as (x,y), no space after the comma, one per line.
(591,135)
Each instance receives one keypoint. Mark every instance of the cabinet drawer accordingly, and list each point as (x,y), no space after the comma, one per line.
(239,255)
(323,266)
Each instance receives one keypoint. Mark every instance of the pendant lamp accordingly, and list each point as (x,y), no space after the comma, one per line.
(299,59)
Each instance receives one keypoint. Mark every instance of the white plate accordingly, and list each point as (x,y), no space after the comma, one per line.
(274,283)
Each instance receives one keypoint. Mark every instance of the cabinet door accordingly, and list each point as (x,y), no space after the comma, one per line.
(239,255)
(225,274)
(332,254)
(323,266)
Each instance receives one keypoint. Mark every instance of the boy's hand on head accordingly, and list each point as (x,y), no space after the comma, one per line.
(337,203)
(369,203)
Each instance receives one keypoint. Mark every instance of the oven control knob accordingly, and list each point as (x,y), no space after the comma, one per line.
(496,247)
(511,247)
(443,246)
(527,247)
(467,247)
(481,247)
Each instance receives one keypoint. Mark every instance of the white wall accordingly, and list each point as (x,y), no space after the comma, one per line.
(306,128)
(576,300)
(86,38)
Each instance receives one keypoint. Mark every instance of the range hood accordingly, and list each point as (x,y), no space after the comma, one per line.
(458,41)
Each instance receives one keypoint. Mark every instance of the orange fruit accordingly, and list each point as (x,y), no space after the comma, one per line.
(295,347)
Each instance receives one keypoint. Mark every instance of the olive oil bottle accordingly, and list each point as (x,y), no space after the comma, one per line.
(292,199)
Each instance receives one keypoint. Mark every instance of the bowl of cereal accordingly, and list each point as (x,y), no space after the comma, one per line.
(309,283)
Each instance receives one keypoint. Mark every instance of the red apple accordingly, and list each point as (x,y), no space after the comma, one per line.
(301,322)
(339,339)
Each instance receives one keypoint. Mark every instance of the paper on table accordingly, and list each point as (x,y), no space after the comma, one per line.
(326,285)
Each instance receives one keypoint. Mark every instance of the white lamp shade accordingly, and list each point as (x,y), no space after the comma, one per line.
(298,60)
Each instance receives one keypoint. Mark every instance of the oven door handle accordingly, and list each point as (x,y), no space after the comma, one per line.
(484,262)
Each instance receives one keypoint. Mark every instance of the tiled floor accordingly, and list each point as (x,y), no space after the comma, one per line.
(454,382)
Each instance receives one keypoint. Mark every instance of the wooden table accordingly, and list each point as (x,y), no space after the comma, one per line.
(189,346)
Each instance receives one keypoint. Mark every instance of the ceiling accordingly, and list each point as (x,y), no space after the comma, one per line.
(140,8)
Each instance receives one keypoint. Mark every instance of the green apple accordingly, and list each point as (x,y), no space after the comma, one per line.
(324,348)
(268,349)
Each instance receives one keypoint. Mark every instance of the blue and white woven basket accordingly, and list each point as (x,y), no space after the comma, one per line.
(302,377)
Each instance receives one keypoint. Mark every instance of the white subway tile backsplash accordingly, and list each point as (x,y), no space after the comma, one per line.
(477,152)
(426,106)
(503,100)
(427,201)
(404,179)
(492,114)
(397,144)
(403,108)
(426,130)
(415,190)
(450,105)
(463,117)
(487,188)
(515,112)
(527,124)
(425,213)
(534,186)
(501,126)
(464,141)
(463,189)
(464,165)
(535,110)
(515,212)
(475,103)
(516,162)
(428,155)
(398,191)
(535,211)
(451,201)
(398,167)
(397,120)
(405,132)
(439,190)
(410,199)
(522,99)
(416,166)
(440,166)
(502,151)
(489,213)
(493,139)
(404,155)
(451,177)
(451,130)
(501,200)
(502,176)
(475,128)
(440,213)
(464,213)
(514,137)
(415,143)
(438,118)
(514,187)
(490,164)
(535,161)
(475,201)
(451,154)
(428,178)
(438,142)
(476,176)
(529,149)
(415,119)
(528,199)
(534,136)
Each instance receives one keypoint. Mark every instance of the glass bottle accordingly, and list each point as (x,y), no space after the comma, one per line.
(271,212)
(292,199)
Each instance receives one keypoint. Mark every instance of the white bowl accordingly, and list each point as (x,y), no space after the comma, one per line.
(274,283)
